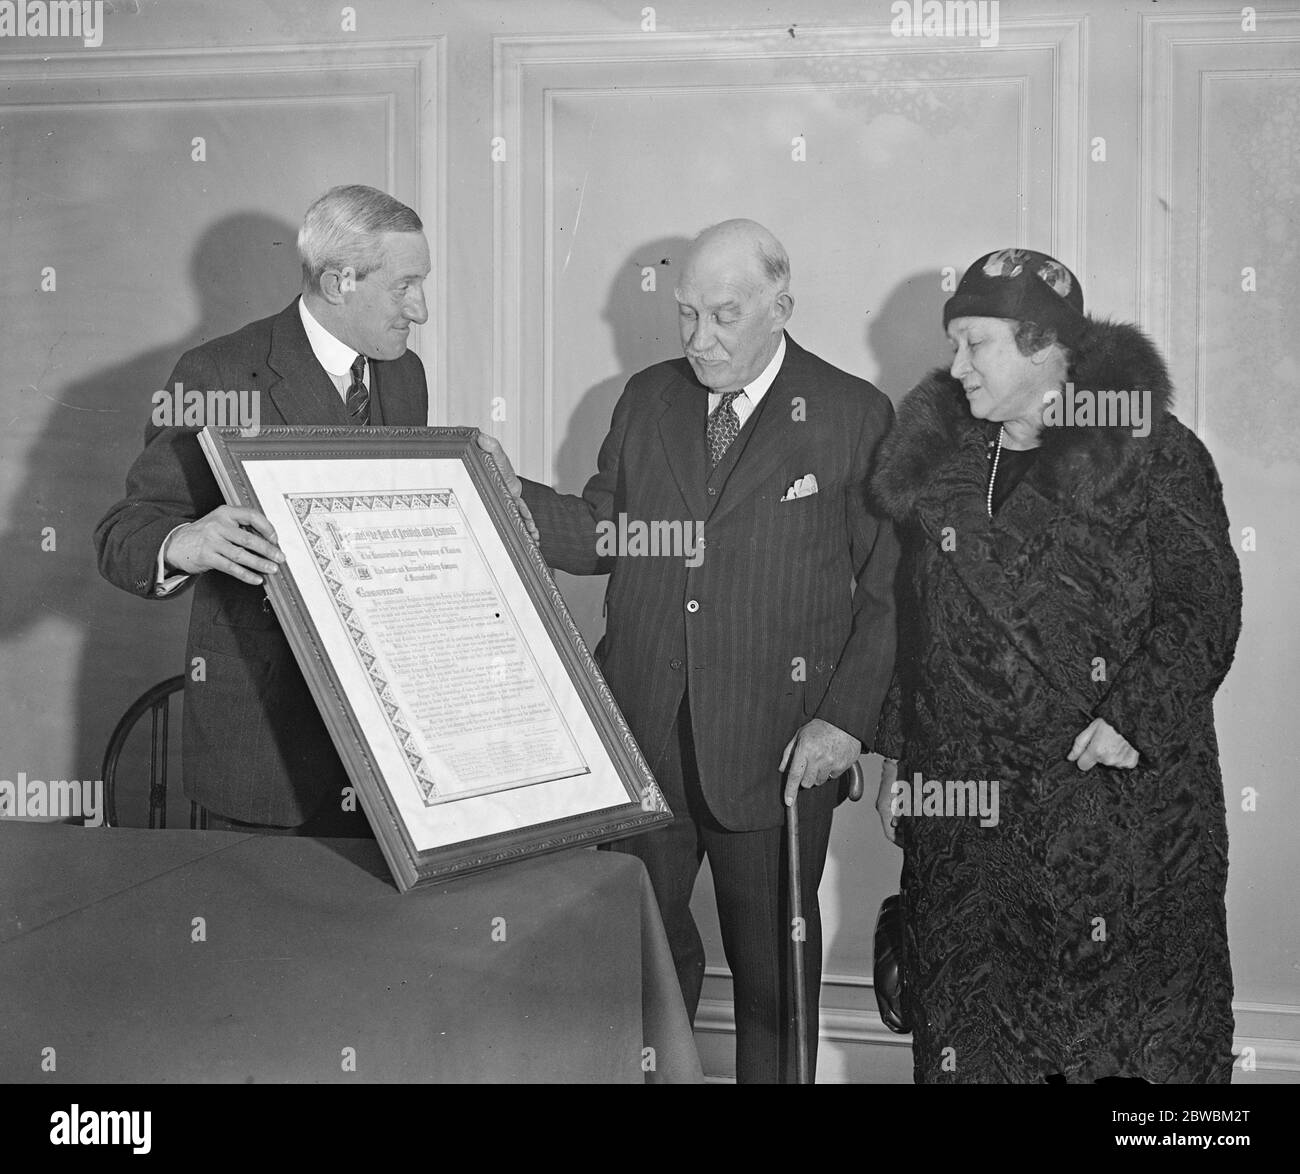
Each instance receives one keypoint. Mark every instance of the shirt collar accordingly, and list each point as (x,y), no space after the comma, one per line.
(335,356)
(758,389)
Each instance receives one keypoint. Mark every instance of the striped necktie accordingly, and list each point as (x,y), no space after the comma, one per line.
(358,401)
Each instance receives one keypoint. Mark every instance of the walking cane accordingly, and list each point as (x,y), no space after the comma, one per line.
(796,937)
(853,783)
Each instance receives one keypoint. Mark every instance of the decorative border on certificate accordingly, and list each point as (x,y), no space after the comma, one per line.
(340,552)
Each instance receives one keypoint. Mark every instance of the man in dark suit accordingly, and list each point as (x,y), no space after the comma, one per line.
(255,751)
(767,652)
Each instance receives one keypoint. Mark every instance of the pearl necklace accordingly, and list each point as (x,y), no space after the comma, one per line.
(993,476)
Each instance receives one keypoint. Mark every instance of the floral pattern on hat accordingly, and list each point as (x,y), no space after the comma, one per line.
(1056,276)
(1006,263)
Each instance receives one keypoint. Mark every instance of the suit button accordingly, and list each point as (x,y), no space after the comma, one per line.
(712,491)
(675,663)
(693,606)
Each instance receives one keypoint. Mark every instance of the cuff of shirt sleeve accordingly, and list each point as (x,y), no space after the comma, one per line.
(165,584)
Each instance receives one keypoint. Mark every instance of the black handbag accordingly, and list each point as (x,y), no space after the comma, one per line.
(890,971)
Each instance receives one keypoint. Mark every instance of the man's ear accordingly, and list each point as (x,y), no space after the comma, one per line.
(783,307)
(336,283)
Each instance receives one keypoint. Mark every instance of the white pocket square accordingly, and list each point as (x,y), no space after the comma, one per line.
(804,486)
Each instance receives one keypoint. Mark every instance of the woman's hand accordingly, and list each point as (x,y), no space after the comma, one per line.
(885,799)
(1102,743)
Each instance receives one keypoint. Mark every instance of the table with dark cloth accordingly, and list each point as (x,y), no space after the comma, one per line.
(310,950)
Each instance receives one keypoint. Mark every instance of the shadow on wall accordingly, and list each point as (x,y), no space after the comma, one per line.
(906,334)
(643,324)
(244,267)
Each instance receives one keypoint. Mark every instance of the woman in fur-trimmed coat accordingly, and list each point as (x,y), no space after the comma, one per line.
(1069,601)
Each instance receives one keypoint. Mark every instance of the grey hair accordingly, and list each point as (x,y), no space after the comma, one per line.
(776,264)
(343,228)
(1030,338)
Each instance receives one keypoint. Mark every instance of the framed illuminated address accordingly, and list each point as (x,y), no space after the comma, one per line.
(454,684)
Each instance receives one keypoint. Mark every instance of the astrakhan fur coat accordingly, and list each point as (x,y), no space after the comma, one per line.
(1084,933)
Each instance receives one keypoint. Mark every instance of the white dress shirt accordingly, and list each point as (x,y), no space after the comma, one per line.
(335,356)
(337,359)
(745,403)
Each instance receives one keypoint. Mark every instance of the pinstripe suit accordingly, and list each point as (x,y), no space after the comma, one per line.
(789,615)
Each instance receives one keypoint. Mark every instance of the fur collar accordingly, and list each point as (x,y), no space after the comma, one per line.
(1083,464)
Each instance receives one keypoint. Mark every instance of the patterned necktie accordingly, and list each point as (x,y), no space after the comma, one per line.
(723,428)
(358,402)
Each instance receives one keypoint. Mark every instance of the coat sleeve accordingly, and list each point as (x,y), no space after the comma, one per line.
(168,485)
(1196,611)
(889,729)
(862,674)
(568,523)
(891,735)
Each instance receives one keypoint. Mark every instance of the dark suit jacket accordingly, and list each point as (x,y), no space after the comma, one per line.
(781,584)
(255,748)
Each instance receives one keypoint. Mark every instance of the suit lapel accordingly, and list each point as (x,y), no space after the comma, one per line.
(303,392)
(392,398)
(380,398)
(681,429)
